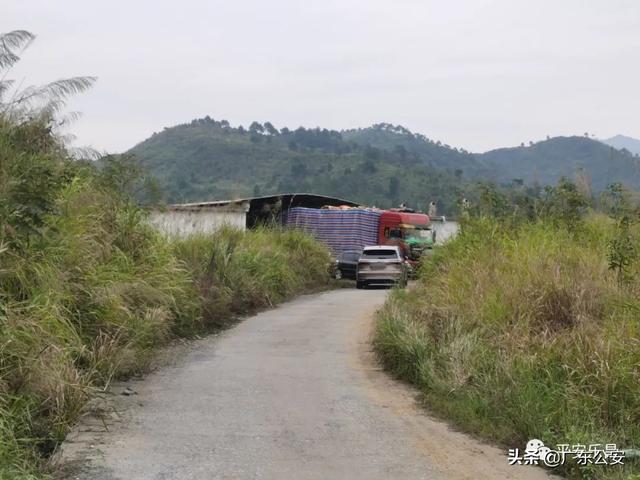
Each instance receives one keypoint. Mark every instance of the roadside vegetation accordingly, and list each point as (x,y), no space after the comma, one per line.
(527,324)
(88,290)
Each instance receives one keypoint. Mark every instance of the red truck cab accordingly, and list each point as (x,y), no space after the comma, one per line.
(409,230)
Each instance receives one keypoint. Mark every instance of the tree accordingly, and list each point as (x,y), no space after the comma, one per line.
(583,182)
(394,188)
(615,200)
(34,164)
(256,127)
(121,174)
(493,203)
(564,204)
(270,129)
(43,102)
(368,166)
(299,170)
(372,153)
(32,173)
(622,251)
(400,151)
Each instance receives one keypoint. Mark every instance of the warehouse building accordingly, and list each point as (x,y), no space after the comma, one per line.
(206,217)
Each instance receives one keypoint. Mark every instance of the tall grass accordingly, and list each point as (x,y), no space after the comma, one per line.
(90,299)
(237,272)
(88,289)
(523,332)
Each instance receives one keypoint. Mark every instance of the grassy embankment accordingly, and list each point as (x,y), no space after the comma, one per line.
(523,332)
(88,290)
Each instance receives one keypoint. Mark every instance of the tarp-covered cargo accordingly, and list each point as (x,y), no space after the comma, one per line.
(340,230)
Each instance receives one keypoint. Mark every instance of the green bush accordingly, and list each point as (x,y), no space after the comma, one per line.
(520,333)
(90,290)
(90,300)
(237,272)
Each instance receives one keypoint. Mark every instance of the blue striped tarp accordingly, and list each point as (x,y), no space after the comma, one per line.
(340,230)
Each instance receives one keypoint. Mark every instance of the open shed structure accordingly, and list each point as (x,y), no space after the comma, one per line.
(206,217)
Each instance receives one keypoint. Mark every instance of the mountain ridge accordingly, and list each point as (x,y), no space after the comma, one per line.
(624,142)
(546,161)
(207,159)
(384,164)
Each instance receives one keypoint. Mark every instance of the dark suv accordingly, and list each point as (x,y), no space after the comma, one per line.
(347,264)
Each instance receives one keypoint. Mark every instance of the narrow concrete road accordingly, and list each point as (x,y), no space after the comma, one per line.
(291,393)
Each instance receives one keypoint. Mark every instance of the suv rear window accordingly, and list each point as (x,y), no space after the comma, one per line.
(380,253)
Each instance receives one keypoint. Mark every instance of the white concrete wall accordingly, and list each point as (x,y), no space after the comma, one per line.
(444,230)
(182,223)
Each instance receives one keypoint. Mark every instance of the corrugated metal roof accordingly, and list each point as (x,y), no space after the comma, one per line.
(240,201)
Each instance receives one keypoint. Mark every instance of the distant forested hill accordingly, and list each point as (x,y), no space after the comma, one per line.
(546,161)
(208,159)
(381,165)
(417,147)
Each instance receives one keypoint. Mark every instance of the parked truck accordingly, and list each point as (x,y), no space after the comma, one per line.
(355,228)
(411,231)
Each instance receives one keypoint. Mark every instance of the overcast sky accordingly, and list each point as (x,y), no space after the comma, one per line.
(478,74)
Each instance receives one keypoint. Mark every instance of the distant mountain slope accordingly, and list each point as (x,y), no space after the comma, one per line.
(381,165)
(208,159)
(415,146)
(544,162)
(621,141)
